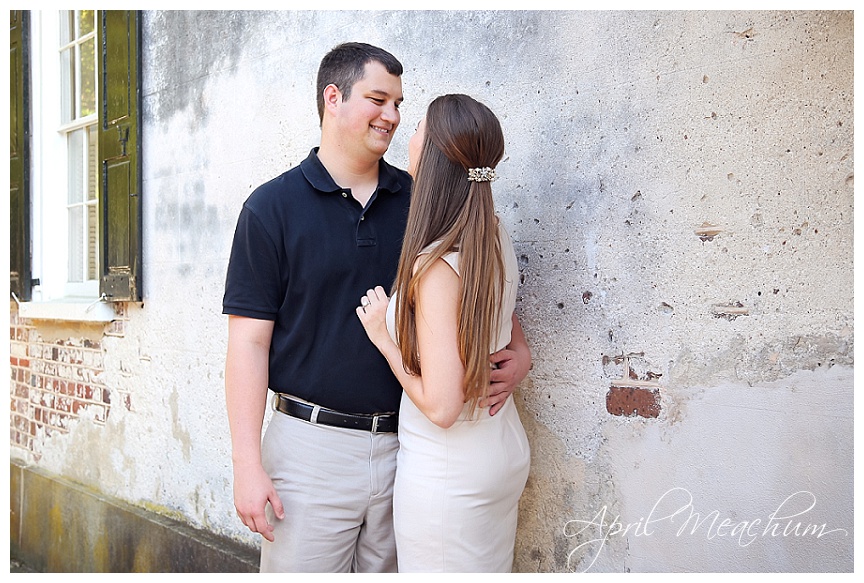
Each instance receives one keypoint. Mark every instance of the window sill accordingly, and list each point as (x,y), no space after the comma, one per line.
(68,310)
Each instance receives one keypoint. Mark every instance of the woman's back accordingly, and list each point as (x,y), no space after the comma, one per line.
(511,284)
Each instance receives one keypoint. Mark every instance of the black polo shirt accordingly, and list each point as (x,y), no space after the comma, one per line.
(304,253)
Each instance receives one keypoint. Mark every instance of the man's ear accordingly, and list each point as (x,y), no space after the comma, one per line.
(332,97)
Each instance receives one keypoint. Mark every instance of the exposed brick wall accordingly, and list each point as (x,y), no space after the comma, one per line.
(633,394)
(54,382)
(632,401)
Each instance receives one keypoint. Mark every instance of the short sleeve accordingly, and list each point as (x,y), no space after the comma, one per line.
(253,284)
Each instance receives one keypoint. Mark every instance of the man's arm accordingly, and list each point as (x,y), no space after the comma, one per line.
(246,380)
(513,364)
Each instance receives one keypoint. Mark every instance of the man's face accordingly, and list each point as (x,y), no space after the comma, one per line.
(367,120)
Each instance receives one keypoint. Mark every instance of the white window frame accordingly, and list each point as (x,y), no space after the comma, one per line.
(50,169)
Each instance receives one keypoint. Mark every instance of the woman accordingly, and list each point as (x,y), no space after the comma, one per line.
(459,471)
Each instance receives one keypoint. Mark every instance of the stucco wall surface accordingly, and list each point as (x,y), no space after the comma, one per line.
(679,188)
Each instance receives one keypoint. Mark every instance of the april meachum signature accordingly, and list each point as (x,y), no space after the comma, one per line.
(781,522)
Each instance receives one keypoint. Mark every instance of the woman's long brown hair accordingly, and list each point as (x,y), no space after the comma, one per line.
(461,133)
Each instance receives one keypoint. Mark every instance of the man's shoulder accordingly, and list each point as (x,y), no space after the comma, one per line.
(275,190)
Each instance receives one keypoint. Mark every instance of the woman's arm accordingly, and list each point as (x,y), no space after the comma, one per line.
(439,392)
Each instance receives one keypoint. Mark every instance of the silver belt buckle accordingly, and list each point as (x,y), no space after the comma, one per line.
(374,423)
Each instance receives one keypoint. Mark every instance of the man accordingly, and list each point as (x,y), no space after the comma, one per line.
(308,244)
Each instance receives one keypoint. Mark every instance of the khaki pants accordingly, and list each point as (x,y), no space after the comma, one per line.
(337,488)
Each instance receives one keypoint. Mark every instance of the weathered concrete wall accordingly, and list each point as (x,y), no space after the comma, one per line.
(679,187)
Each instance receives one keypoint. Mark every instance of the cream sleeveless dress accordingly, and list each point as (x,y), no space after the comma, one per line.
(455,501)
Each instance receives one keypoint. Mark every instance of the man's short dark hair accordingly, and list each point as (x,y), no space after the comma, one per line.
(345,64)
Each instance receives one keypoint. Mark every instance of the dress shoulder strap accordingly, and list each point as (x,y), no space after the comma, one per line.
(452,258)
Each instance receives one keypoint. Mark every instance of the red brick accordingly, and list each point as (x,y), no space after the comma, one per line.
(19,423)
(18,406)
(62,421)
(632,401)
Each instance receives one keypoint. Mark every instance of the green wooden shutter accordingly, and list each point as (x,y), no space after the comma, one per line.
(19,162)
(118,37)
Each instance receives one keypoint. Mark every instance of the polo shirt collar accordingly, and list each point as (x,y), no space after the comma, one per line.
(316,174)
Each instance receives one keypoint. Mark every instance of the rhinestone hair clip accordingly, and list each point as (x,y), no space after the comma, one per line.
(485,174)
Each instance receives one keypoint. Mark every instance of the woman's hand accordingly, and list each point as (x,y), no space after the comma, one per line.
(372,312)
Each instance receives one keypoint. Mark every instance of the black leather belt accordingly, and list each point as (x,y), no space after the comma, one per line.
(376,423)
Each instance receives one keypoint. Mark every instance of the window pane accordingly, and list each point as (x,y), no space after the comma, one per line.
(67,86)
(85,22)
(88,77)
(75,144)
(78,89)
(76,243)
